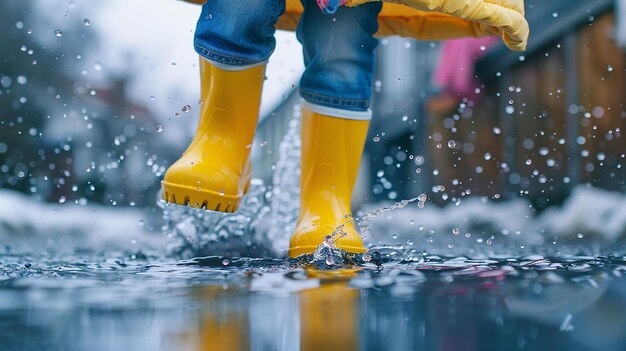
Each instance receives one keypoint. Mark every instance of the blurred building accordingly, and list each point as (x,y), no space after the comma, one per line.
(561,104)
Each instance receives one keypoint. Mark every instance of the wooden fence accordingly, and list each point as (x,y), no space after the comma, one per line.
(552,118)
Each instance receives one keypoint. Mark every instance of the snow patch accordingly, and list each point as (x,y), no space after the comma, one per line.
(30,222)
(589,213)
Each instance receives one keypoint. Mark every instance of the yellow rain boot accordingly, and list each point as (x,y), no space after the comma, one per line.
(214,172)
(331,154)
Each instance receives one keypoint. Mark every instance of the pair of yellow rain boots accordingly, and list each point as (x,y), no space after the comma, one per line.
(214,172)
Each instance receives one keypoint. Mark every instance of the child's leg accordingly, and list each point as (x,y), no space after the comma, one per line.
(235,39)
(237,33)
(336,87)
(339,56)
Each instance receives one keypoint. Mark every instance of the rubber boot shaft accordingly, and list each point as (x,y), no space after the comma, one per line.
(214,172)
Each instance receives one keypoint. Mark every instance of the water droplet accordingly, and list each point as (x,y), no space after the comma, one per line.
(62,199)
(376,139)
(328,241)
(510,110)
(497,130)
(58,33)
(86,22)
(225,262)
(451,144)
(330,260)
(159,128)
(97,66)
(186,108)
(456,231)
(441,188)
(222,192)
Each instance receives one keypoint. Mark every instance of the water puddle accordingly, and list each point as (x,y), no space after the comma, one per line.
(224,276)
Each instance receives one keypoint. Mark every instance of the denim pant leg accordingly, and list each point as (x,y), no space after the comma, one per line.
(338,55)
(238,32)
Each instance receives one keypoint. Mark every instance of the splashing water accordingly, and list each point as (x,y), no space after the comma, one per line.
(200,233)
(246,232)
(286,186)
(328,251)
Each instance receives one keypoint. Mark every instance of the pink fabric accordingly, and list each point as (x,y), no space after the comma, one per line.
(324,3)
(455,72)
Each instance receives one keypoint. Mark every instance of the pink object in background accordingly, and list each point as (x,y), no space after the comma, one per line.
(455,72)
(330,6)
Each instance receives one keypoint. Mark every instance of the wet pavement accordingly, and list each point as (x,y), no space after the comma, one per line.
(395,301)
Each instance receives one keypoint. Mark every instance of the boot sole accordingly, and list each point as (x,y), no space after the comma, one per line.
(200,198)
(303,250)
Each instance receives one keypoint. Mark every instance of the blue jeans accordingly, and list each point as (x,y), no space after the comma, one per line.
(338,49)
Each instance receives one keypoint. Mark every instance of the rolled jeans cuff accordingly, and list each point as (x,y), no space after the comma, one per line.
(232,68)
(337,112)
(227,62)
(334,102)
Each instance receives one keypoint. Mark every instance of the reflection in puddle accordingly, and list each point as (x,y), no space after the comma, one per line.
(406,303)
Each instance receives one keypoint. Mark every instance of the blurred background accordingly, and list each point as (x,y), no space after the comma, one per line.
(92,97)
(519,247)
(98,98)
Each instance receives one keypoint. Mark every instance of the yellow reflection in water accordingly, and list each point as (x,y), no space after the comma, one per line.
(328,316)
